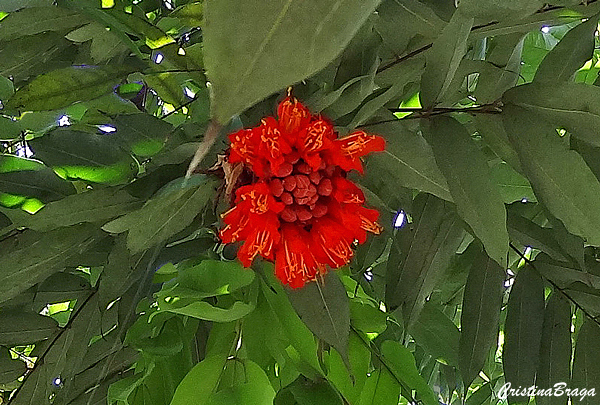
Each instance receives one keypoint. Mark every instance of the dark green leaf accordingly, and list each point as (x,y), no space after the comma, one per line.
(163,216)
(494,10)
(573,106)
(90,206)
(34,20)
(512,186)
(307,392)
(576,48)
(9,129)
(36,256)
(402,364)
(7,88)
(480,315)
(523,330)
(436,333)
(444,58)
(555,349)
(62,87)
(559,176)
(478,202)
(143,134)
(10,369)
(80,155)
(267,38)
(254,389)
(323,307)
(420,254)
(493,134)
(407,161)
(61,287)
(21,328)
(586,363)
(563,275)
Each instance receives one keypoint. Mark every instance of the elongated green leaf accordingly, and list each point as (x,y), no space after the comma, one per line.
(254,389)
(268,37)
(586,363)
(573,50)
(350,384)
(523,330)
(381,388)
(10,369)
(80,155)
(563,275)
(504,10)
(505,61)
(559,176)
(200,382)
(477,200)
(420,254)
(437,334)
(62,87)
(36,256)
(7,88)
(91,206)
(493,134)
(20,328)
(34,20)
(29,178)
(512,185)
(162,217)
(573,106)
(323,306)
(203,310)
(296,331)
(480,315)
(402,364)
(444,58)
(555,349)
(407,161)
(61,287)
(307,392)
(9,129)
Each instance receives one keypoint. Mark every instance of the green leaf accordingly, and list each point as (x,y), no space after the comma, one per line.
(407,161)
(29,178)
(296,331)
(555,349)
(572,106)
(381,388)
(402,364)
(563,275)
(437,334)
(350,383)
(162,217)
(307,392)
(104,43)
(36,256)
(482,301)
(255,389)
(143,134)
(198,385)
(9,129)
(7,88)
(10,369)
(586,363)
(34,20)
(559,176)
(512,185)
(420,254)
(91,206)
(367,318)
(61,287)
(493,134)
(190,14)
(81,155)
(477,200)
(523,330)
(444,58)
(323,306)
(62,87)
(573,50)
(495,11)
(21,328)
(267,38)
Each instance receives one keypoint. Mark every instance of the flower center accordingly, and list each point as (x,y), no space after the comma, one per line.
(304,191)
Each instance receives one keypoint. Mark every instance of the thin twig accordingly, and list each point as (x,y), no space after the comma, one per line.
(561,290)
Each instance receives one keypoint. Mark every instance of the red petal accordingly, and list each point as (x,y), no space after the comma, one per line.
(293,115)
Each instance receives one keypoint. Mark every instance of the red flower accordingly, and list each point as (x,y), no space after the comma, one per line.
(300,211)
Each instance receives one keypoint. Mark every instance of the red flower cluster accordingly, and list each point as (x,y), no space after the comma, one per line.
(301,212)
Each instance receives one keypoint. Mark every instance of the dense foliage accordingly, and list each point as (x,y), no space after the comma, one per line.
(115,288)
